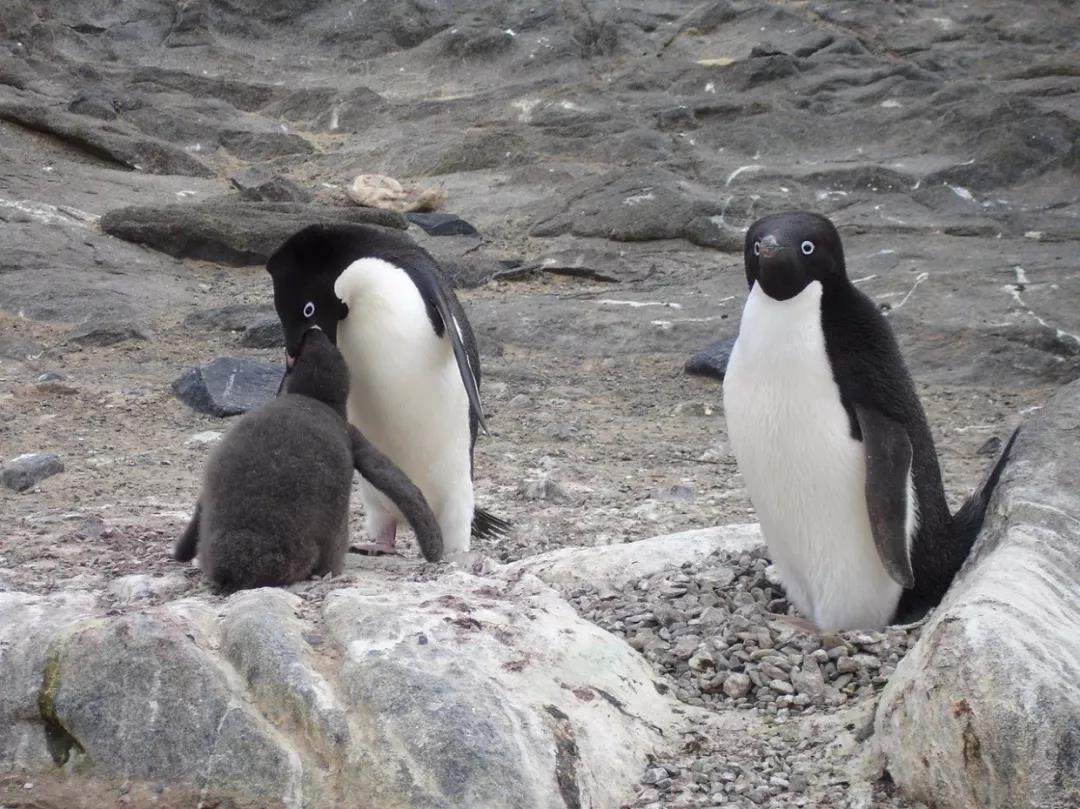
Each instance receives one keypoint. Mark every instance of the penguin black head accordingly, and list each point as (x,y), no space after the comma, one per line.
(785,252)
(304,270)
(318,370)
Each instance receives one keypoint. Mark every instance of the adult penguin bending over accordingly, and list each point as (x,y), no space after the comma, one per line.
(413,363)
(832,440)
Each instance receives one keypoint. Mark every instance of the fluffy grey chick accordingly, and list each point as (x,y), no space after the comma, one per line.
(274,506)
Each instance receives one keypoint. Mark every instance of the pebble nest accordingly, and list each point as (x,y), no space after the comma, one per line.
(720,631)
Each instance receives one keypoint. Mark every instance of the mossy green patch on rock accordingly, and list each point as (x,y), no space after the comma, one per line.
(57,738)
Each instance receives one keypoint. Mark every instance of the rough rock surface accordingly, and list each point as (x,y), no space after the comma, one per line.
(985,711)
(462,691)
(616,565)
(231,231)
(26,471)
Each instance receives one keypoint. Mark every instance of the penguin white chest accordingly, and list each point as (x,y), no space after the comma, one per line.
(805,474)
(406,393)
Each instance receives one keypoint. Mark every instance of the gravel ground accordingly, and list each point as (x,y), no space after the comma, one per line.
(724,637)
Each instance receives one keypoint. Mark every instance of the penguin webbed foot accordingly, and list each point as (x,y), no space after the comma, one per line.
(375,549)
(797,622)
(384,544)
(384,475)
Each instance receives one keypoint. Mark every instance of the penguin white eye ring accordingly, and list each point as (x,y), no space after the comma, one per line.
(757,248)
(807,247)
(309,309)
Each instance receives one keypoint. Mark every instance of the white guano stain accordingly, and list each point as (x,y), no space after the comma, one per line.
(742,170)
(1016,290)
(638,304)
(51,214)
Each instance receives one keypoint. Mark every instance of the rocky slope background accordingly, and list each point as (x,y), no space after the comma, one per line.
(609,156)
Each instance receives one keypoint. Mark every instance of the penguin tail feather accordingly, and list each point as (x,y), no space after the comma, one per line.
(187,545)
(486,524)
(968,521)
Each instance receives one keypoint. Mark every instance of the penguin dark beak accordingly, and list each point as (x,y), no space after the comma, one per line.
(770,247)
(779,272)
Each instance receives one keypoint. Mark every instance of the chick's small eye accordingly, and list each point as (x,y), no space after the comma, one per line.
(757,248)
(309,309)
(807,248)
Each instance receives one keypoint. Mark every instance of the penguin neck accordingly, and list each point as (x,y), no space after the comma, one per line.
(321,389)
(772,326)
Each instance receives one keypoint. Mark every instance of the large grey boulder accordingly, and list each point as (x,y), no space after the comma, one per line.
(228,386)
(230,230)
(461,691)
(612,566)
(26,471)
(985,711)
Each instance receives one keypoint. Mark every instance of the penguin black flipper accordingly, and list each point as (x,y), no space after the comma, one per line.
(435,297)
(888,454)
(384,475)
(188,544)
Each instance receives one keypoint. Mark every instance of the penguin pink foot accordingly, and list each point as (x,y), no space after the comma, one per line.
(797,622)
(384,544)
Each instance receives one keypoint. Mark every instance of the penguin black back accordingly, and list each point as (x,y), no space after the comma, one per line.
(274,506)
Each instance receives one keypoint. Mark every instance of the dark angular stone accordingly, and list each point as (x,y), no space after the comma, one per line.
(263,145)
(96,106)
(191,26)
(442,224)
(26,471)
(711,360)
(708,18)
(766,49)
(264,333)
(680,117)
(105,334)
(234,317)
(258,186)
(228,386)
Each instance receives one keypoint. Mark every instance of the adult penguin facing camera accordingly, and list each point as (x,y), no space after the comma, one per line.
(832,441)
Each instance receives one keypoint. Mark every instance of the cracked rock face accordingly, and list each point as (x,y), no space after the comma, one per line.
(985,710)
(462,691)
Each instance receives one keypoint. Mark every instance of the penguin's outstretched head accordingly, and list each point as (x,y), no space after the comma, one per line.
(318,370)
